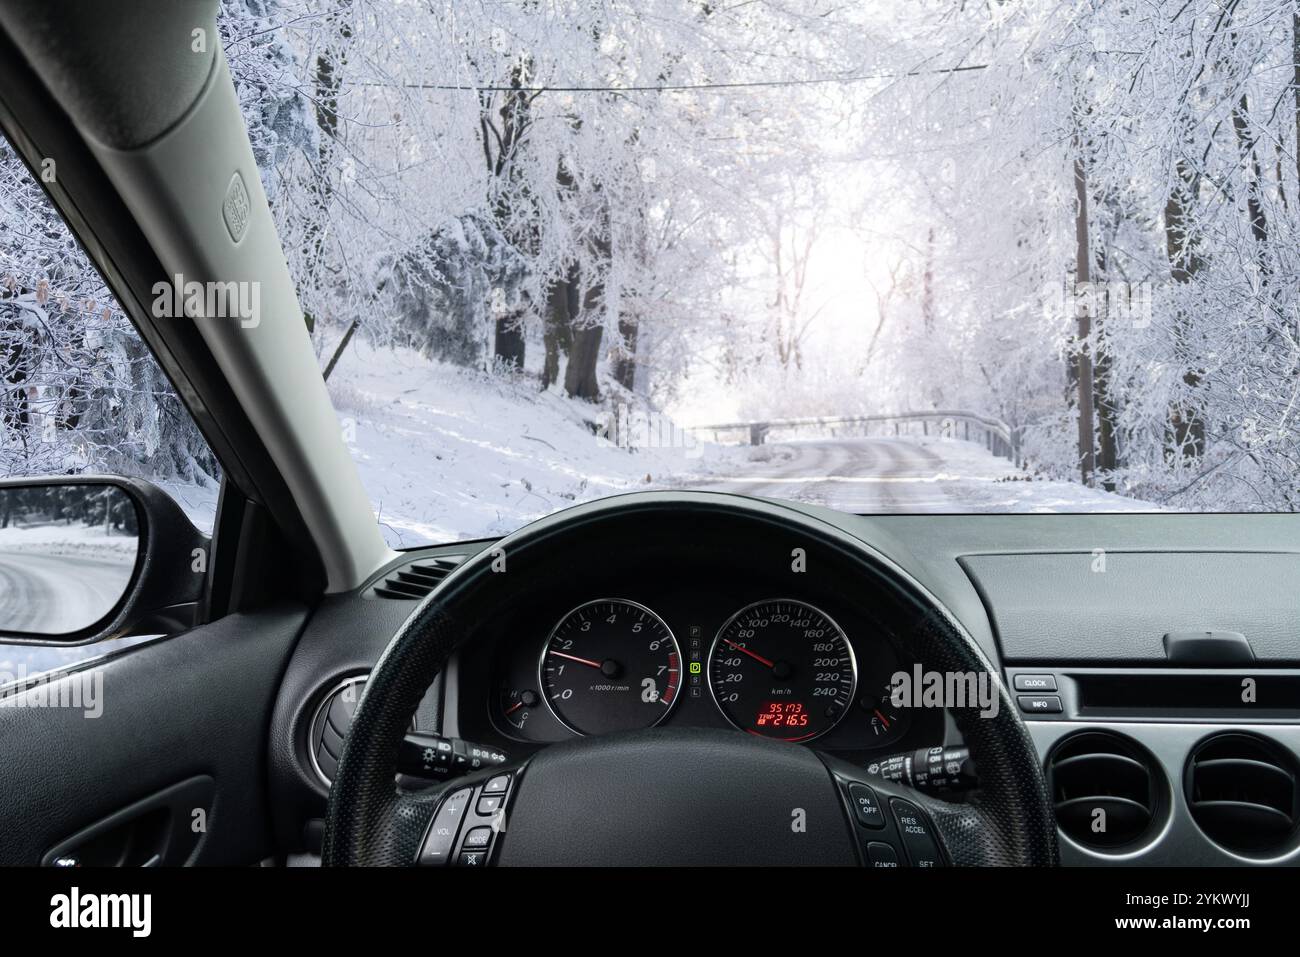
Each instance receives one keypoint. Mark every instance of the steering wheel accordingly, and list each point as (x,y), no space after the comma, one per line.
(680,796)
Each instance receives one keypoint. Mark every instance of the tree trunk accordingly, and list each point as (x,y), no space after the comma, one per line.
(625,363)
(1083,312)
(516,117)
(1254,185)
(561,306)
(1103,384)
(1186,426)
(927,285)
(584,349)
(510,343)
(1107,440)
(329,79)
(1295,88)
(580,374)
(339,349)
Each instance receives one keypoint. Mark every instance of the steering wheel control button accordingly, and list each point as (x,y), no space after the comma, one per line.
(866,806)
(1035,682)
(489,804)
(880,854)
(918,838)
(440,840)
(1040,704)
(473,813)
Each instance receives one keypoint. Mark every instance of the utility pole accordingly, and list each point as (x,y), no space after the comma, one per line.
(1082,300)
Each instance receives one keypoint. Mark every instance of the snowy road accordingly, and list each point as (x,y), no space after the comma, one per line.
(52,594)
(856,475)
(902,476)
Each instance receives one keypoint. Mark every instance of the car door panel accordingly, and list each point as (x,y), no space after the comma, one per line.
(191,706)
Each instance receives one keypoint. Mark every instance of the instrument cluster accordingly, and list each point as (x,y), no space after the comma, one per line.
(777,666)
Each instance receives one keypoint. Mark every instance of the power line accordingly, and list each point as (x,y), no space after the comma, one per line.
(685,87)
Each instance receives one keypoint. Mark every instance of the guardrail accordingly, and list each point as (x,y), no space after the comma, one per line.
(994,434)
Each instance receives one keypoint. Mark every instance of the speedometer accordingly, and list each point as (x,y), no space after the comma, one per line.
(782,669)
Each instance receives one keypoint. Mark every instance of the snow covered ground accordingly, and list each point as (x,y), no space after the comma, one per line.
(446,454)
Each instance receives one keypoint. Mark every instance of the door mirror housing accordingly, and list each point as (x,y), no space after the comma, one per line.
(84,558)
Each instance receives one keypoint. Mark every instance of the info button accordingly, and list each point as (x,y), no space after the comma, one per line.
(1040,704)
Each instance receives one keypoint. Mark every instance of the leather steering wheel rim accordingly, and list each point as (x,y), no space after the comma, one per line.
(372,822)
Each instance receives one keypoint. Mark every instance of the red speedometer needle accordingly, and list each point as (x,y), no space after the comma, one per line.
(757,657)
(581,661)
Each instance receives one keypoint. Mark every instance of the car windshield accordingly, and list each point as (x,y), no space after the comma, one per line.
(903,256)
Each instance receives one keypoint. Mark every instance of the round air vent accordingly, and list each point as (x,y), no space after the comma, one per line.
(1242,792)
(330,726)
(1106,789)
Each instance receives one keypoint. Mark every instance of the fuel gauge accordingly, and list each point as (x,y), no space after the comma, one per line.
(888,721)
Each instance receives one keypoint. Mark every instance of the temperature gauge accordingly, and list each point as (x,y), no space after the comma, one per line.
(517,704)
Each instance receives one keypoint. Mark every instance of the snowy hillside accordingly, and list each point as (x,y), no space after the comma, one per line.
(448,453)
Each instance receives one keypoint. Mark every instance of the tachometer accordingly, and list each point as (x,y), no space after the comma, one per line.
(782,669)
(610,665)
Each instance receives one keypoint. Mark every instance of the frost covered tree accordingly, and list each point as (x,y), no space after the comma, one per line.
(79,390)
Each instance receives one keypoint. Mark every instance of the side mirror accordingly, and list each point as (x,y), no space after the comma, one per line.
(84,558)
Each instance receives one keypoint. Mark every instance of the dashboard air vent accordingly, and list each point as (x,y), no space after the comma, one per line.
(330,726)
(412,582)
(1106,789)
(1243,794)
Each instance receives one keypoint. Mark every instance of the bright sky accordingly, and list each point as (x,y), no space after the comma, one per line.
(841,272)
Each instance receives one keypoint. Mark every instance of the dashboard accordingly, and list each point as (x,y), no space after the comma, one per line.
(718,633)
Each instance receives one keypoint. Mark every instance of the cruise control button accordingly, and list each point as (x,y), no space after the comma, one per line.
(442,832)
(880,854)
(1035,682)
(1040,704)
(497,785)
(918,839)
(477,838)
(866,806)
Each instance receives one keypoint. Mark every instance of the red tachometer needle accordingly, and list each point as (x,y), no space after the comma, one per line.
(757,657)
(581,661)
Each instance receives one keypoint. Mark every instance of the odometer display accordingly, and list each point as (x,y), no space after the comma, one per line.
(610,665)
(782,669)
